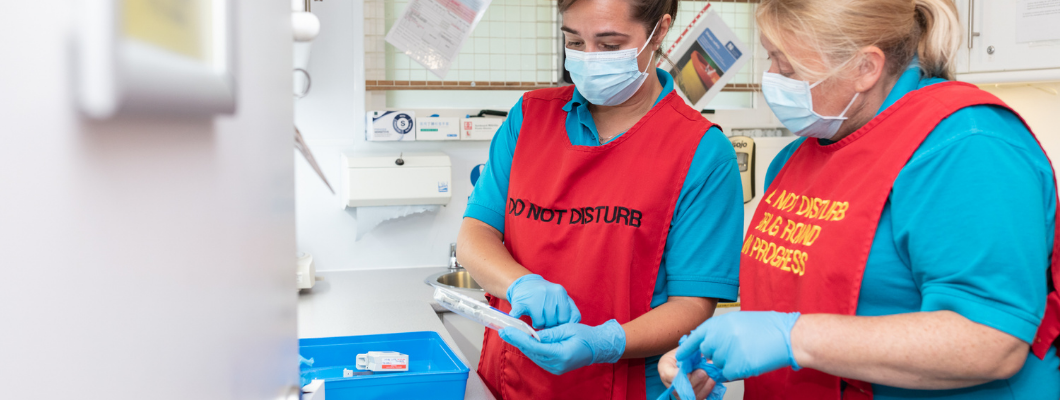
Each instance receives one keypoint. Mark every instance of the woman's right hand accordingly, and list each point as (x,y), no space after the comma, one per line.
(701,383)
(546,303)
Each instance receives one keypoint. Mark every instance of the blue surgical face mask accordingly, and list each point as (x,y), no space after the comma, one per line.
(607,78)
(792,103)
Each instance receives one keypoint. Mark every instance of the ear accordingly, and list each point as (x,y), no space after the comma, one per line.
(664,28)
(871,68)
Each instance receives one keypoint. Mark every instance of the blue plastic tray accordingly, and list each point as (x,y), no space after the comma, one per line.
(434,370)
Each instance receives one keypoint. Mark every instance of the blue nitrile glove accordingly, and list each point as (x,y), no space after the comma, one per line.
(304,379)
(744,343)
(570,346)
(546,303)
(683,386)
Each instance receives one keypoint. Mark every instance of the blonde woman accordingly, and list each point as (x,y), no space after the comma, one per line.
(902,248)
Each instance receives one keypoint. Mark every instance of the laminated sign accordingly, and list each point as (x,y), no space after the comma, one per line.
(431,32)
(706,56)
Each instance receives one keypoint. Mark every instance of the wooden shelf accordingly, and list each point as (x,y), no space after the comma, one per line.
(468,85)
(741,87)
(454,85)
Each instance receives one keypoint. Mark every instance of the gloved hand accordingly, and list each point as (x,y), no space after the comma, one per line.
(692,378)
(744,343)
(698,379)
(546,303)
(571,346)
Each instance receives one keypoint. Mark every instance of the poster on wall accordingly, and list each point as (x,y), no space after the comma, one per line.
(1036,21)
(706,56)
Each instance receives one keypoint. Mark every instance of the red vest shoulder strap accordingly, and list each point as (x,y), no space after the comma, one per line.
(698,124)
(564,93)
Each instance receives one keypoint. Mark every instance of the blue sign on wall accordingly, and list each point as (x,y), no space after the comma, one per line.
(477,172)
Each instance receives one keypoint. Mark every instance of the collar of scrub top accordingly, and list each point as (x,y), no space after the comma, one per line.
(580,120)
(910,80)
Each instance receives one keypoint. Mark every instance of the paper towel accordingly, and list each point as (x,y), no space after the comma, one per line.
(370,217)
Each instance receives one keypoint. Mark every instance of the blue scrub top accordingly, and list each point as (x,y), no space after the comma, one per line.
(968,228)
(702,253)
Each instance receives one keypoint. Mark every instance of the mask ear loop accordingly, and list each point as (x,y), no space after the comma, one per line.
(646,46)
(652,34)
(844,113)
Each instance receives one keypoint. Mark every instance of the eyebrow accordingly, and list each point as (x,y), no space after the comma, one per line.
(601,34)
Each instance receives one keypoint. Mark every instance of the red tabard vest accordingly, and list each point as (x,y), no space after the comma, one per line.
(809,240)
(595,220)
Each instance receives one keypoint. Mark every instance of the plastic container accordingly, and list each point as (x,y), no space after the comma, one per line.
(434,372)
(479,312)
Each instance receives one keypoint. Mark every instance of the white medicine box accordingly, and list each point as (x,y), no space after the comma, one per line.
(437,128)
(479,128)
(390,126)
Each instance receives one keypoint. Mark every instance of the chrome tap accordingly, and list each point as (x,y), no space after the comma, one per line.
(453,264)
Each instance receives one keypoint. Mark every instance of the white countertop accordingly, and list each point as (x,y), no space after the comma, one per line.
(366,302)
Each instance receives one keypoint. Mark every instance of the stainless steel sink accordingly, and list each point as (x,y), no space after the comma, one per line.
(456,277)
(459,279)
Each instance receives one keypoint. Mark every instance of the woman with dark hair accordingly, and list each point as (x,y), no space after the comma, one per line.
(609,213)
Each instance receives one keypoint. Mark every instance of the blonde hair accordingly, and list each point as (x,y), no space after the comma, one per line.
(838,29)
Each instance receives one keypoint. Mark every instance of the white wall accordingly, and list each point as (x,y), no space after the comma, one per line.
(1039,105)
(331,118)
(144,258)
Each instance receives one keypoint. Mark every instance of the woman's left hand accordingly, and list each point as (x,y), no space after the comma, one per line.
(570,346)
(744,343)
(701,383)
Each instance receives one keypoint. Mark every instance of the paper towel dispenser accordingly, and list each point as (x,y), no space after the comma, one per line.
(396,179)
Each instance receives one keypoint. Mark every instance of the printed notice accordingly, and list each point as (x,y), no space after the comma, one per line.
(431,32)
(1037,21)
(708,57)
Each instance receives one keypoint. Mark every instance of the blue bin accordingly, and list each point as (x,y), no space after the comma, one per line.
(434,370)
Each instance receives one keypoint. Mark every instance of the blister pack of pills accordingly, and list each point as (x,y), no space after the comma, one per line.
(480,312)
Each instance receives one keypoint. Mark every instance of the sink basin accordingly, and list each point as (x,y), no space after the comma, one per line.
(459,279)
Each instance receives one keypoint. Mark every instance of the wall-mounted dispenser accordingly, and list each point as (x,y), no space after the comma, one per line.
(745,159)
(396,179)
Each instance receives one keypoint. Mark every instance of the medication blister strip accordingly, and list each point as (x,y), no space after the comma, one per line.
(480,312)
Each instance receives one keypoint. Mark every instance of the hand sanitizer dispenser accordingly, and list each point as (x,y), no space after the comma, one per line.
(396,179)
(745,159)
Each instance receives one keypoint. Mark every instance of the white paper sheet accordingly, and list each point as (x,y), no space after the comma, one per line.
(370,217)
(1037,21)
(431,32)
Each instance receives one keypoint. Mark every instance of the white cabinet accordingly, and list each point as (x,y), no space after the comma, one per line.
(989,51)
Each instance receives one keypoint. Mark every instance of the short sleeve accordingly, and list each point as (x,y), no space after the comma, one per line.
(488,198)
(702,254)
(973,211)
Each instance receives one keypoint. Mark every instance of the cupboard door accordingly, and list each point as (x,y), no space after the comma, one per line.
(962,52)
(995,49)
